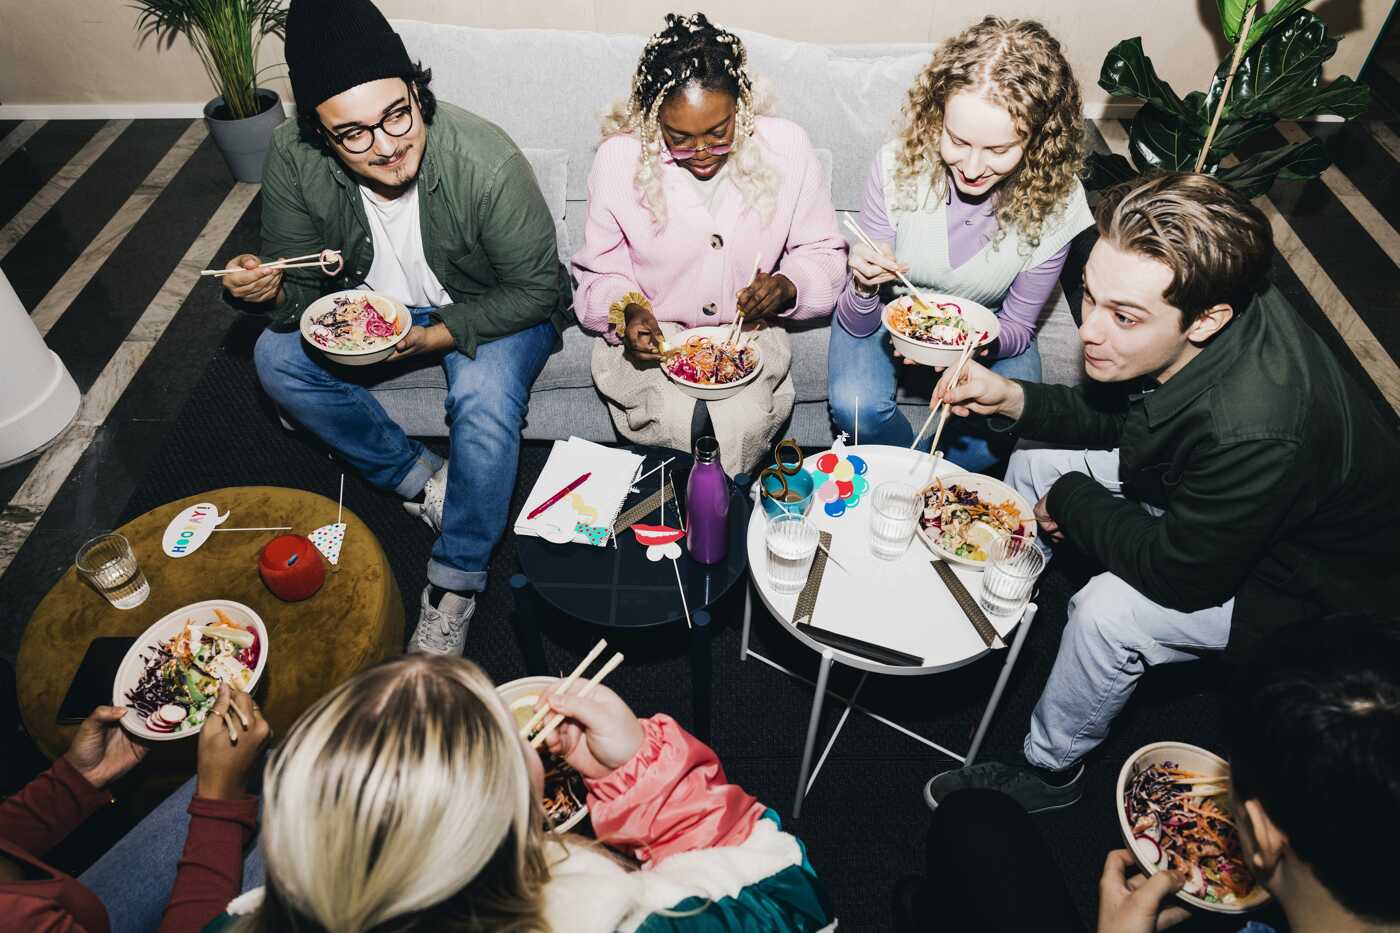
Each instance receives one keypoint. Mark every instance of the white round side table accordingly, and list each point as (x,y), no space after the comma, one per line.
(39,398)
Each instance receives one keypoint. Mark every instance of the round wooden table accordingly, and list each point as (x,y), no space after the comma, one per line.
(354,620)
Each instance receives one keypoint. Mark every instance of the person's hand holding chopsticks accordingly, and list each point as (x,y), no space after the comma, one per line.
(230,745)
(872,268)
(255,283)
(641,334)
(979,390)
(766,296)
(600,733)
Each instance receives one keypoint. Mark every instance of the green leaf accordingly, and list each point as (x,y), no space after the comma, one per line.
(1257,174)
(1103,171)
(1232,16)
(1262,24)
(1128,72)
(1163,141)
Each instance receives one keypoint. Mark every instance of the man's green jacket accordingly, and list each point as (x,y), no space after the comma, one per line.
(1276,474)
(487,234)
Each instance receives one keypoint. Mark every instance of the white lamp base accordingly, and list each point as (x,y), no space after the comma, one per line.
(43,420)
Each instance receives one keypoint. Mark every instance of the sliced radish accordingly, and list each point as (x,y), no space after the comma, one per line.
(1148,850)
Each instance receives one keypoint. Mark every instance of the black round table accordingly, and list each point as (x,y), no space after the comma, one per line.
(618,587)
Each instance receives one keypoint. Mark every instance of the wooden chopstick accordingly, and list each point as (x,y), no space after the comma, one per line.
(553,724)
(279,264)
(945,407)
(543,711)
(865,238)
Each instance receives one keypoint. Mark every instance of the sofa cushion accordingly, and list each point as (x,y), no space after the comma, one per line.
(551,168)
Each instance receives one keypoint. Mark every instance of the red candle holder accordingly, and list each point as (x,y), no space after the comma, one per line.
(291,567)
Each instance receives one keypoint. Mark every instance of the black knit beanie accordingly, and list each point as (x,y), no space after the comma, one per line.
(334,45)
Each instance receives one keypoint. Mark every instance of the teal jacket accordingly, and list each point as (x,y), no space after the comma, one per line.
(1274,471)
(487,234)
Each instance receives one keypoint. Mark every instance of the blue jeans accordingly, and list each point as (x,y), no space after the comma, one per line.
(487,398)
(135,877)
(864,370)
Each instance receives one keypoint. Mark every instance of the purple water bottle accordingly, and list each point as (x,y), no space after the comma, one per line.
(707,504)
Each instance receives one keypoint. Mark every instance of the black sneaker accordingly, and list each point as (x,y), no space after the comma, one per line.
(1019,782)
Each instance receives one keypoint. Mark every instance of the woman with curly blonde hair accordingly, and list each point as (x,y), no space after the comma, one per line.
(700,207)
(977,197)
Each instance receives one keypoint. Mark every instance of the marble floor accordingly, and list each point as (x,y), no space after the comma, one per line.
(104,226)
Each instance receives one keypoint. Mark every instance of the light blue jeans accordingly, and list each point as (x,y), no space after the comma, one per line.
(864,370)
(487,397)
(134,879)
(1114,633)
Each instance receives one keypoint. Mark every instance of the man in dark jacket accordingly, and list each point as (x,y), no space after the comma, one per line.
(1244,485)
(437,209)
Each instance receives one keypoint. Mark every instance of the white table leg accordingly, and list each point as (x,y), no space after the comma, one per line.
(1012,653)
(835,733)
(823,672)
(748,620)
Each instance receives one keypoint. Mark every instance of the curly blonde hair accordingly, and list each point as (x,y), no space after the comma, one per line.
(693,51)
(1017,64)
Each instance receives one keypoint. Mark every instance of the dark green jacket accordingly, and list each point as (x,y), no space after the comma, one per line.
(487,234)
(1275,473)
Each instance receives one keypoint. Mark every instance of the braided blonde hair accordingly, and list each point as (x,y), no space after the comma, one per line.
(693,51)
(1020,66)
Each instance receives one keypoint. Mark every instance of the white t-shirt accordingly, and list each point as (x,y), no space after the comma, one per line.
(400,268)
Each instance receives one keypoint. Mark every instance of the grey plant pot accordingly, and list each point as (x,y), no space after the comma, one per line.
(244,143)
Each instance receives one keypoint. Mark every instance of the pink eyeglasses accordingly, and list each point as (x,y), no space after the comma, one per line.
(682,155)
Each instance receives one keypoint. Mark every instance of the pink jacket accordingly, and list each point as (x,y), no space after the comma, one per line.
(672,797)
(696,259)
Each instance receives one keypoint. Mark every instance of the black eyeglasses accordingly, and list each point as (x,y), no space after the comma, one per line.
(358,139)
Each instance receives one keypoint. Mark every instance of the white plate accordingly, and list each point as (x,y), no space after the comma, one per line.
(1192,758)
(132,666)
(993,490)
(978,318)
(388,307)
(709,393)
(529,689)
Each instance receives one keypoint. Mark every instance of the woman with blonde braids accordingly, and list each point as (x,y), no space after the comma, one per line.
(977,197)
(700,207)
(405,801)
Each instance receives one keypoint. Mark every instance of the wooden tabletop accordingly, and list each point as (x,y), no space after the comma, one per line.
(355,619)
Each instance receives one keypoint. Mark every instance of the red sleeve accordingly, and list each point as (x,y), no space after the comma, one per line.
(672,797)
(37,915)
(49,808)
(211,868)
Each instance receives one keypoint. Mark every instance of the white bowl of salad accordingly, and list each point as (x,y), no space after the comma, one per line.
(170,677)
(355,328)
(565,799)
(1174,812)
(704,364)
(936,334)
(965,512)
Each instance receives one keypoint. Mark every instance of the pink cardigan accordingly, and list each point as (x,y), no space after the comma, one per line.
(697,259)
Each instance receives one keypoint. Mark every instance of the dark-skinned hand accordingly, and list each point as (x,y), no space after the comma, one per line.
(102,750)
(766,296)
(225,762)
(641,334)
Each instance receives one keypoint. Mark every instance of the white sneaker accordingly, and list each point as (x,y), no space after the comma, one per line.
(434,492)
(442,630)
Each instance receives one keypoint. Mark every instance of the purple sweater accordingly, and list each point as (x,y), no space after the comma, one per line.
(971,226)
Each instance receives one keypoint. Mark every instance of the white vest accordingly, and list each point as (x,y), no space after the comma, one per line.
(921,240)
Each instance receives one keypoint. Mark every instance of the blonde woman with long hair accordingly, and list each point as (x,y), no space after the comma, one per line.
(405,800)
(701,206)
(977,197)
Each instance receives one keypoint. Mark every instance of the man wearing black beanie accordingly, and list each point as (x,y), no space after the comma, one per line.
(436,208)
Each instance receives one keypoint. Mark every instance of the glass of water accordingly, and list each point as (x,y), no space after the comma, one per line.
(108,563)
(1013,563)
(792,543)
(894,514)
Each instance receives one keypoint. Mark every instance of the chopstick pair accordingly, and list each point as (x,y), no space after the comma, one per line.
(947,407)
(865,238)
(736,331)
(292,262)
(228,720)
(548,730)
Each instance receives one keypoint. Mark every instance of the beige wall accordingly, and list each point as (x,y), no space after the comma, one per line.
(88,51)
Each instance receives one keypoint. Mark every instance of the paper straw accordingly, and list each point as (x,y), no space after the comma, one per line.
(340,502)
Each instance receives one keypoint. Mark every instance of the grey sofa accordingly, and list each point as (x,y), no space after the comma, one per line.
(548,89)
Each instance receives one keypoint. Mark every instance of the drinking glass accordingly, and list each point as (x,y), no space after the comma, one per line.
(792,543)
(109,565)
(894,514)
(1013,563)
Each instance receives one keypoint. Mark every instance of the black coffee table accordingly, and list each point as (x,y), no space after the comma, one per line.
(617,587)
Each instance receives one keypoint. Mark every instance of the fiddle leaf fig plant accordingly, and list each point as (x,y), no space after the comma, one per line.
(1274,73)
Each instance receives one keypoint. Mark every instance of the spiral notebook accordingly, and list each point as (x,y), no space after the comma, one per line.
(586,515)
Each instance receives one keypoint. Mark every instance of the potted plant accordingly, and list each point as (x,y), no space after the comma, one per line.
(1274,73)
(226,34)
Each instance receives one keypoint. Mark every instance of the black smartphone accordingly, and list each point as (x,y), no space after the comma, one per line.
(92,684)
